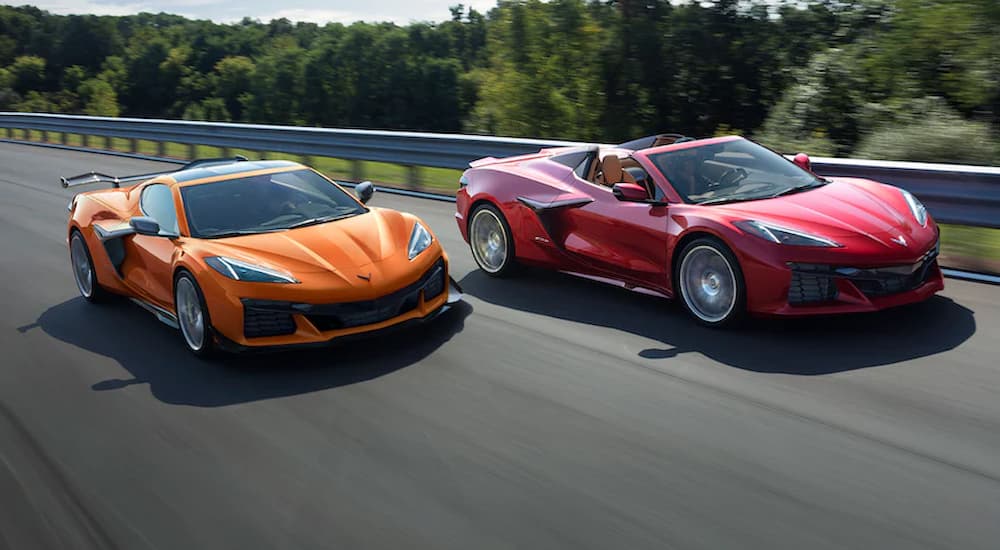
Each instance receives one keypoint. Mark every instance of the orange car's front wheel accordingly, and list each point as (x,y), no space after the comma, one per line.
(192,315)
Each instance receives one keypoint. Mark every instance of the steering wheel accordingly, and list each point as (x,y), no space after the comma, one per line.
(735,174)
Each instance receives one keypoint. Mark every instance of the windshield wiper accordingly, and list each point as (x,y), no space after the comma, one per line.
(724,200)
(798,189)
(322,219)
(236,233)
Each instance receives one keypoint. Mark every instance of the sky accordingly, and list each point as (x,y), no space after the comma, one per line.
(228,11)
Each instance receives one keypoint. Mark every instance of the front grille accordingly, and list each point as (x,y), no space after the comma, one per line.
(815,283)
(353,314)
(258,323)
(880,282)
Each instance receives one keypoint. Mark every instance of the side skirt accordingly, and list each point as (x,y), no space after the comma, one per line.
(618,283)
(163,315)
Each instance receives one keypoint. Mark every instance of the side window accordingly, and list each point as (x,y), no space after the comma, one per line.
(157,202)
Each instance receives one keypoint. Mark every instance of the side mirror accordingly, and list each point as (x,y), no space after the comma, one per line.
(802,160)
(364,191)
(144,225)
(630,192)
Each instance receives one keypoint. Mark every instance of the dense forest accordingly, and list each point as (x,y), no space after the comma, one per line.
(904,79)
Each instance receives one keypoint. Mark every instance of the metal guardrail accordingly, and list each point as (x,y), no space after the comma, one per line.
(966,195)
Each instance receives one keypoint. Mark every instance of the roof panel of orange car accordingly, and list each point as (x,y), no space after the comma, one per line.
(233,170)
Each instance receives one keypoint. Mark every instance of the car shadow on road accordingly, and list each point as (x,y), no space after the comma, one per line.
(154,354)
(808,346)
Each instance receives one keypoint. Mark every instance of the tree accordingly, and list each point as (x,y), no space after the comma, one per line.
(542,77)
(235,74)
(98,98)
(28,73)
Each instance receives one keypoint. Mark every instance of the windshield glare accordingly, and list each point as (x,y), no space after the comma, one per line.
(731,171)
(260,204)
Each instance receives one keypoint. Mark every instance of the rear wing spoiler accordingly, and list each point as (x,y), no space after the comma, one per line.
(96,177)
(92,177)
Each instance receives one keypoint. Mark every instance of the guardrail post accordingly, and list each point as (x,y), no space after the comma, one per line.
(86,140)
(108,144)
(192,151)
(45,136)
(413,176)
(227,152)
(161,149)
(7,132)
(357,171)
(133,145)
(62,138)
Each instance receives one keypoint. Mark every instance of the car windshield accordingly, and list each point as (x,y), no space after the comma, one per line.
(732,171)
(265,203)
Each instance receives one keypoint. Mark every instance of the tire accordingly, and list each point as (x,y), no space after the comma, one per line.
(491,241)
(82,265)
(192,316)
(710,283)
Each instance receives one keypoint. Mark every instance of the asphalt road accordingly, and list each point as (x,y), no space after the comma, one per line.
(549,412)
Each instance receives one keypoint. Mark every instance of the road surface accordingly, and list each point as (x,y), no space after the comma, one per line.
(549,412)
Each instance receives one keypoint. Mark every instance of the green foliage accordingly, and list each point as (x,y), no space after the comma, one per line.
(830,77)
(98,98)
(28,72)
(928,130)
(73,77)
(541,78)
(818,112)
(36,102)
(213,109)
(278,84)
(921,68)
(114,72)
(235,73)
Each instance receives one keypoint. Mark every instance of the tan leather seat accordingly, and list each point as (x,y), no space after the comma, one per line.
(612,173)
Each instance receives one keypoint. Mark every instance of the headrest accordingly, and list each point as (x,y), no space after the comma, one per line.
(611,167)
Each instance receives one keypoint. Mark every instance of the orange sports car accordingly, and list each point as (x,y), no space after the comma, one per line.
(241,255)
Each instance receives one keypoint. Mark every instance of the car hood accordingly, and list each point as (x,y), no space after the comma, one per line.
(846,207)
(342,245)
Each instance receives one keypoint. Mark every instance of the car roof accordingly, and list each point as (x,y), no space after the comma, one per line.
(227,171)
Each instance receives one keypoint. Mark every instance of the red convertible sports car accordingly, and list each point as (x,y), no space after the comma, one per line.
(726,224)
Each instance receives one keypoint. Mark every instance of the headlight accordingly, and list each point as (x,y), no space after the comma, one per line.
(242,271)
(783,235)
(916,207)
(420,239)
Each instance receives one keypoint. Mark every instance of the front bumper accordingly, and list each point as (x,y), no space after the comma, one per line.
(793,288)
(253,316)
(454,296)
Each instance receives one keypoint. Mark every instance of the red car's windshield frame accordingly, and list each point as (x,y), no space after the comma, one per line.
(647,158)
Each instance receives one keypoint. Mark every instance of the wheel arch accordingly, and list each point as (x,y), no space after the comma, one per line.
(691,235)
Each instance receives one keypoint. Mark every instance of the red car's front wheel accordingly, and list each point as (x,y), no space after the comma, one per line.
(710,283)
